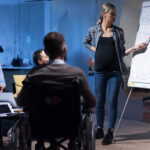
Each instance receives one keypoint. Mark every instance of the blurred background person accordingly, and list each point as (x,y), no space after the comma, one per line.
(2,80)
(40,57)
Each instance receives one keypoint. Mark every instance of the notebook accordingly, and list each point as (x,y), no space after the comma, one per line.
(8,97)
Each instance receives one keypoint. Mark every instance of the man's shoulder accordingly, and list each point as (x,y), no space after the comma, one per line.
(55,68)
(72,69)
(36,68)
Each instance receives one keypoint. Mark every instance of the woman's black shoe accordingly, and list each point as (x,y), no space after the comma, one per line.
(99,133)
(108,138)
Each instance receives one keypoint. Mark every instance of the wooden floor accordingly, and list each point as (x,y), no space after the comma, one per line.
(132,135)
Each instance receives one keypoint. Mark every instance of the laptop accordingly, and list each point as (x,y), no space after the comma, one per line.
(9,98)
(5,109)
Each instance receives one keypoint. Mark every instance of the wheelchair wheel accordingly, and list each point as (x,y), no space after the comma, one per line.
(20,136)
(88,134)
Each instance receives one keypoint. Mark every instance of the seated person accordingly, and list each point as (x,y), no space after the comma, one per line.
(40,57)
(55,47)
(2,80)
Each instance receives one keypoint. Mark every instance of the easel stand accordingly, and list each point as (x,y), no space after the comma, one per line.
(117,128)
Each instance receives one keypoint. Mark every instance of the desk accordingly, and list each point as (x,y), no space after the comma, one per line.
(16,68)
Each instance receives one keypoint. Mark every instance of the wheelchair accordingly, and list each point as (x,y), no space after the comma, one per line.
(55,114)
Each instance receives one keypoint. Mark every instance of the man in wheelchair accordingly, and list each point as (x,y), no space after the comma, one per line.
(51,94)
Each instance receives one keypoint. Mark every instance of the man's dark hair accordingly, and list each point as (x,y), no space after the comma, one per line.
(53,43)
(37,56)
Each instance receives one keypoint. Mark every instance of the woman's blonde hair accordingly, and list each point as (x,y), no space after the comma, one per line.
(106,7)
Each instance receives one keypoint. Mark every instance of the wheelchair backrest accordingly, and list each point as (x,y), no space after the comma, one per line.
(54,110)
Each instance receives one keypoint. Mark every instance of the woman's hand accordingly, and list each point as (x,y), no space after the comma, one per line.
(140,46)
(92,48)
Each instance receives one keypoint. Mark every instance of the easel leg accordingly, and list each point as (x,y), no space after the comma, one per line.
(117,128)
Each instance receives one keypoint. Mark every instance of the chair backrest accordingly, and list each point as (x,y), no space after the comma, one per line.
(54,110)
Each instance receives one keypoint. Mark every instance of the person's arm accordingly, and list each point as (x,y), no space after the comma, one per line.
(138,47)
(86,92)
(2,80)
(23,95)
(88,40)
(2,88)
